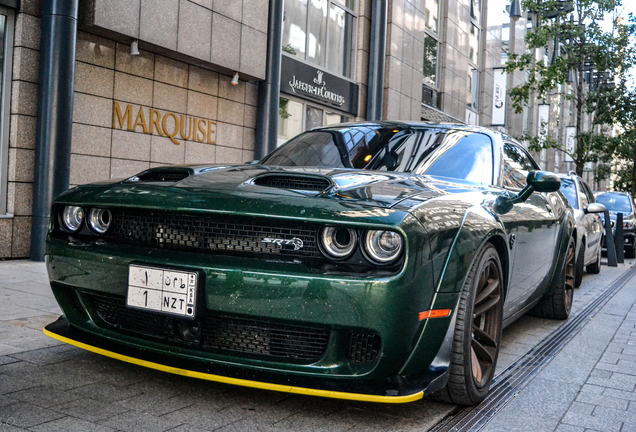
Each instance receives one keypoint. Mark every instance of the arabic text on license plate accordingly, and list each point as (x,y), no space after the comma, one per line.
(162,290)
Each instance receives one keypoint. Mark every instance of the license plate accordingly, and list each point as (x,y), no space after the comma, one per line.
(162,290)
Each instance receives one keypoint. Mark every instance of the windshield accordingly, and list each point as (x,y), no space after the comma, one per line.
(569,190)
(615,202)
(440,152)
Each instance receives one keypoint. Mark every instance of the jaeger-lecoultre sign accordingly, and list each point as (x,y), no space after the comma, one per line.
(310,83)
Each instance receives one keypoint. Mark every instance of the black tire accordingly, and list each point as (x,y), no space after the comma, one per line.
(595,267)
(477,331)
(580,263)
(631,252)
(558,303)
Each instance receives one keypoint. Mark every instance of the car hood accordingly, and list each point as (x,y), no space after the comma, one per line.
(268,190)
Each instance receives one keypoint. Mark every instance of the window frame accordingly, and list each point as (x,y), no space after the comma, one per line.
(436,36)
(474,68)
(354,40)
(500,181)
(5,109)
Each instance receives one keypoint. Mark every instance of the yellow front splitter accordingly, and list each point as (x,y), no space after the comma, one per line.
(238,381)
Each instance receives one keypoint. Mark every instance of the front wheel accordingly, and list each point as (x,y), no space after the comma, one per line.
(477,330)
(558,304)
(580,261)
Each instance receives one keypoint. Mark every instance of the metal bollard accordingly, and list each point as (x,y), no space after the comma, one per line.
(609,242)
(619,240)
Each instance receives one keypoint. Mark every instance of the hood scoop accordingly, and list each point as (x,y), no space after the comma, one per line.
(293,182)
(161,175)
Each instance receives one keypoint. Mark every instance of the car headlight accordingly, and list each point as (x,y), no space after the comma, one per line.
(628,224)
(383,247)
(72,218)
(338,242)
(99,220)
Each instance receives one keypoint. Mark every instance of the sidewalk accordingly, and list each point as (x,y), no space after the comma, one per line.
(590,385)
(48,386)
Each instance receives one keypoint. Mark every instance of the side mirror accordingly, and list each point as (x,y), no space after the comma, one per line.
(595,208)
(543,181)
(540,181)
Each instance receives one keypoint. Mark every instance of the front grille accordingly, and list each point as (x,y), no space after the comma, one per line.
(364,347)
(219,333)
(293,182)
(213,234)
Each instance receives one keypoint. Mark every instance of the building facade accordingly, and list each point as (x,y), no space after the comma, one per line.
(156,83)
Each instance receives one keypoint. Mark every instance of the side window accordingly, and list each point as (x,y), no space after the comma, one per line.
(585,199)
(588,192)
(517,164)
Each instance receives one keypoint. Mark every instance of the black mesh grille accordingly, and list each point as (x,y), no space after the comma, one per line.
(293,182)
(264,338)
(364,347)
(213,234)
(164,176)
(219,333)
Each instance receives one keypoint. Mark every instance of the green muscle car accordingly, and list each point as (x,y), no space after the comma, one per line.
(364,261)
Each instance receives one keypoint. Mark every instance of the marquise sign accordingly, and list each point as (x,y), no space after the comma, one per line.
(310,83)
(157,122)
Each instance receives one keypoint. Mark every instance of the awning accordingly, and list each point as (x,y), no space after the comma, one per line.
(434,115)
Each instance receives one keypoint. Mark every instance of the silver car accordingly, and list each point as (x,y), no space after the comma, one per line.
(589,225)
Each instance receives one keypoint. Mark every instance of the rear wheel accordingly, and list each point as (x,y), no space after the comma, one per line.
(595,267)
(477,331)
(580,261)
(558,304)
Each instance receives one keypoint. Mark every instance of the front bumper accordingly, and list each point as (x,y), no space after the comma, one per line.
(412,361)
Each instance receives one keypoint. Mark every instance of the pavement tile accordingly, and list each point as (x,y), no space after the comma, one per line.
(154,404)
(105,392)
(10,384)
(90,410)
(581,408)
(302,422)
(142,422)
(627,417)
(617,380)
(203,417)
(44,396)
(7,400)
(569,428)
(7,359)
(27,415)
(602,400)
(591,388)
(49,355)
(588,421)
(627,368)
(70,424)
(238,426)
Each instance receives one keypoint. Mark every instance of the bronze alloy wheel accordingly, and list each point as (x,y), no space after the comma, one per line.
(477,331)
(486,322)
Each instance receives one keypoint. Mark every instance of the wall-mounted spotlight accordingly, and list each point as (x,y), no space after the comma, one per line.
(515,10)
(134,48)
(235,79)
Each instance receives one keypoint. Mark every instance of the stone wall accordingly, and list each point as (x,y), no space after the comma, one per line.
(107,74)
(228,35)
(404,61)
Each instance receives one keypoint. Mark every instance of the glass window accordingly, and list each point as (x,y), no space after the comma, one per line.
(317,33)
(584,198)
(313,117)
(473,44)
(475,10)
(335,118)
(472,96)
(6,57)
(321,32)
(340,40)
(295,27)
(432,15)
(290,119)
(517,164)
(569,190)
(430,61)
(466,156)
(615,202)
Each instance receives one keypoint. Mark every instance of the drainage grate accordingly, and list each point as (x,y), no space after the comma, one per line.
(514,379)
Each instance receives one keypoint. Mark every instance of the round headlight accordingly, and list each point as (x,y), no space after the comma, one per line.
(72,217)
(99,220)
(383,246)
(338,242)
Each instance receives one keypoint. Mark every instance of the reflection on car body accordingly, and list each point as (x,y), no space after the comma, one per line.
(420,242)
